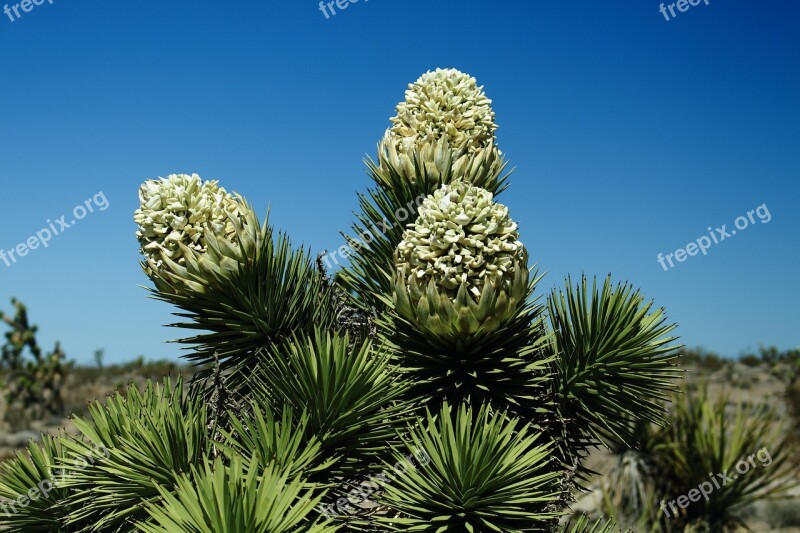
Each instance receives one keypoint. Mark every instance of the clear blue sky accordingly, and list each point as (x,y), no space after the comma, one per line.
(631,135)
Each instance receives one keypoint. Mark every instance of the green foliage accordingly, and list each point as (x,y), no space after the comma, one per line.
(350,395)
(245,298)
(261,440)
(487,472)
(508,367)
(703,439)
(152,437)
(615,363)
(702,444)
(36,470)
(218,498)
(129,444)
(33,379)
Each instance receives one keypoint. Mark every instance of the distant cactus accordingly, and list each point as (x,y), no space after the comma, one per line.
(33,379)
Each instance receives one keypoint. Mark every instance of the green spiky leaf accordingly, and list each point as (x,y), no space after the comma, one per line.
(614,359)
(151,437)
(487,472)
(350,394)
(215,498)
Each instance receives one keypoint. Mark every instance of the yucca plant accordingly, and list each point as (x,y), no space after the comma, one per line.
(487,472)
(216,497)
(258,439)
(37,470)
(350,394)
(151,437)
(706,440)
(728,455)
(461,358)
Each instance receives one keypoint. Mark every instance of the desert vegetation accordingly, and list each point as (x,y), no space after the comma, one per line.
(432,383)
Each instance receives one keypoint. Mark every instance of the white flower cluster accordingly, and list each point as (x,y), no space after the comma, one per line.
(461,236)
(180,209)
(444,103)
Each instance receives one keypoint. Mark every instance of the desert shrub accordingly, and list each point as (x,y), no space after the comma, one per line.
(700,454)
(750,360)
(701,358)
(783,514)
(770,354)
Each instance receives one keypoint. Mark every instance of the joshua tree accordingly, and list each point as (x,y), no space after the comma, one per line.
(33,378)
(429,386)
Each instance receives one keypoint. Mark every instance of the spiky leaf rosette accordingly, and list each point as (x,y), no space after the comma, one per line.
(708,438)
(38,470)
(150,438)
(444,103)
(509,370)
(349,393)
(614,360)
(260,439)
(231,499)
(487,472)
(245,287)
